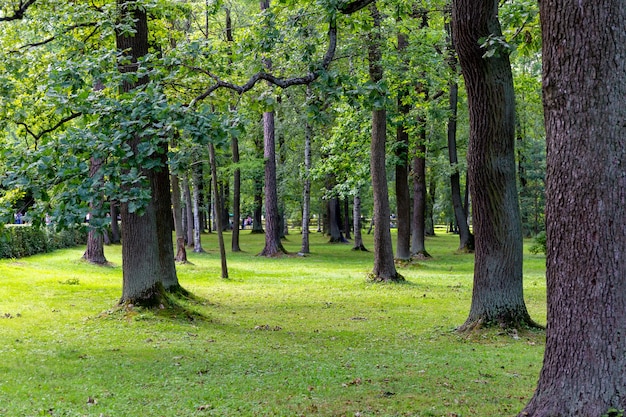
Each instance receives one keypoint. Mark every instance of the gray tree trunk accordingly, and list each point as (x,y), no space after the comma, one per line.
(356,217)
(177,213)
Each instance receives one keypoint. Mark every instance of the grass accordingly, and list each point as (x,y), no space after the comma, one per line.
(295,336)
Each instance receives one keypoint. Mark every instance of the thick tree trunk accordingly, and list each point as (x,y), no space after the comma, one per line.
(273,245)
(403,198)
(162,198)
(384,266)
(177,214)
(334,217)
(498,293)
(140,247)
(356,216)
(218,208)
(584,85)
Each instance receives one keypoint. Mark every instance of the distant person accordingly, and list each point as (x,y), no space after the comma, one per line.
(18,217)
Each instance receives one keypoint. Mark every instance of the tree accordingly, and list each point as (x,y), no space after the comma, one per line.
(384,266)
(498,292)
(584,45)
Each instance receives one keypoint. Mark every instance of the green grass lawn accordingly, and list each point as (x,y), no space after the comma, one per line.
(294,336)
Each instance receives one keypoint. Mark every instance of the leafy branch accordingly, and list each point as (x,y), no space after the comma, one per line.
(346,8)
(19,12)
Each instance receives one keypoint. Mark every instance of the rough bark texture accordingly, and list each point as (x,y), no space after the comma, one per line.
(335,223)
(498,294)
(584,85)
(418,243)
(384,266)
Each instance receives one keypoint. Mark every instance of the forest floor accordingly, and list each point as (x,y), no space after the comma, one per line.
(290,336)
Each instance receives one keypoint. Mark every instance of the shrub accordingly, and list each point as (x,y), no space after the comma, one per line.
(21,241)
(539,245)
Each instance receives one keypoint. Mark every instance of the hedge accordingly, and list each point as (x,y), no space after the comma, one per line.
(20,241)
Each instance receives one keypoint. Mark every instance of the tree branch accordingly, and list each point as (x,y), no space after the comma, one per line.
(278,81)
(52,38)
(354,6)
(60,123)
(19,12)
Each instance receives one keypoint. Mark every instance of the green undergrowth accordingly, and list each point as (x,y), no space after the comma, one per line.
(288,336)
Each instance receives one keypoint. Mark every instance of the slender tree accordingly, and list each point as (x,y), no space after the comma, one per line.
(384,266)
(218,207)
(584,45)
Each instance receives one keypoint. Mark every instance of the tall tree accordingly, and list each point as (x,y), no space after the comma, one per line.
(498,296)
(218,206)
(403,198)
(141,265)
(466,239)
(273,245)
(584,45)
(384,266)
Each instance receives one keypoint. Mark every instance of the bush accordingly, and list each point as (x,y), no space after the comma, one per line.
(21,241)
(539,245)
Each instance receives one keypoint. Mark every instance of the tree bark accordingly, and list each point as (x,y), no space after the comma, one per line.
(335,224)
(384,266)
(498,293)
(418,243)
(177,214)
(584,45)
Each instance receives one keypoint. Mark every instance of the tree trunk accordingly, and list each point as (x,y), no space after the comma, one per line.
(177,213)
(236,196)
(188,211)
(384,266)
(162,198)
(346,223)
(356,216)
(498,293)
(196,179)
(584,45)
(218,208)
(306,193)
(115,227)
(466,239)
(334,217)
(94,253)
(403,197)
(273,245)
(140,249)
(418,244)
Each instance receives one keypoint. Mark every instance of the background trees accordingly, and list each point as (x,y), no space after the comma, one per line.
(204,75)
